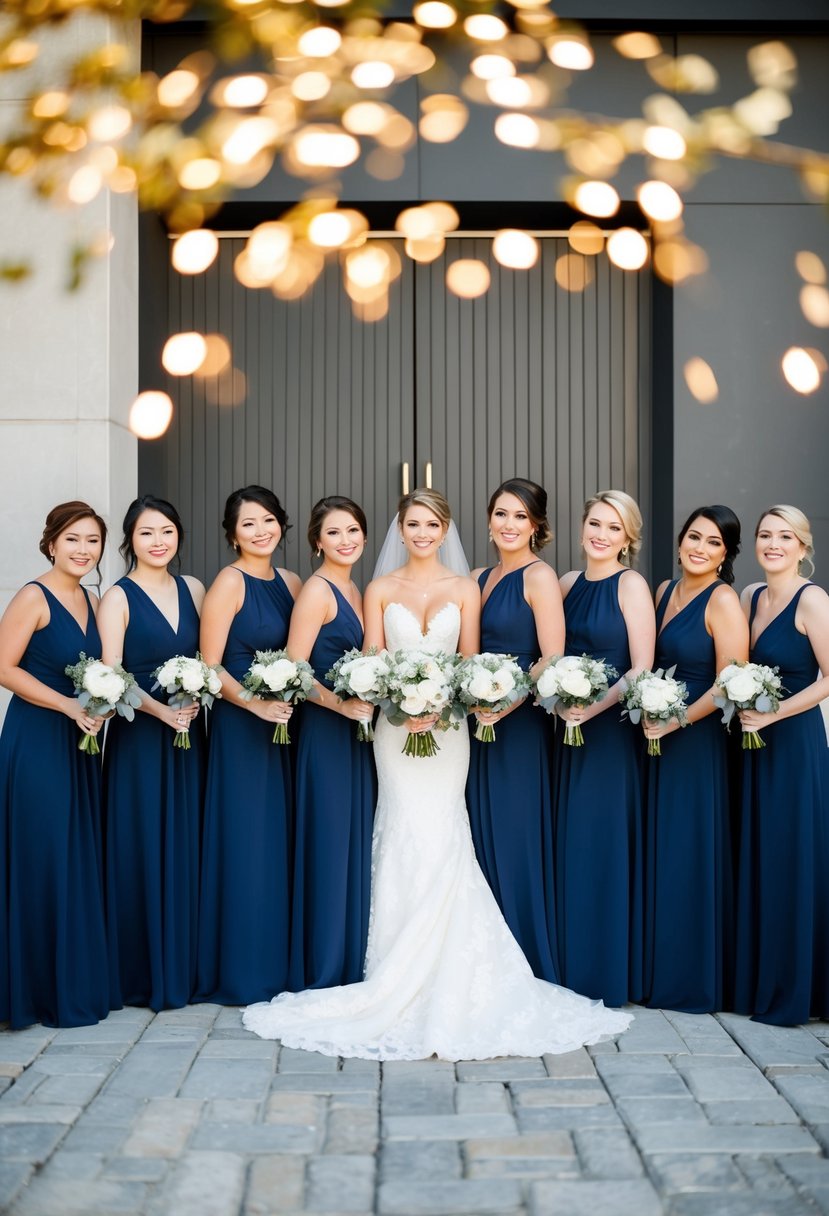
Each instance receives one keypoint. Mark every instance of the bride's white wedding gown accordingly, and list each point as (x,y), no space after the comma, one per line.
(443,973)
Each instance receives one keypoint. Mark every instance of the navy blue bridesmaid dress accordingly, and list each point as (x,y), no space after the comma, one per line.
(688,871)
(599,812)
(245,878)
(509,792)
(153,796)
(53,954)
(336,792)
(782,969)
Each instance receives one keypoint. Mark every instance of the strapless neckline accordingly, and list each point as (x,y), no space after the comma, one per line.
(435,616)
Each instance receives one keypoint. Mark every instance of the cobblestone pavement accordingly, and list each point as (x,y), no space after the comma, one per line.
(186,1113)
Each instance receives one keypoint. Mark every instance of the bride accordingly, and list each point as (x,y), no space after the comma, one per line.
(443,974)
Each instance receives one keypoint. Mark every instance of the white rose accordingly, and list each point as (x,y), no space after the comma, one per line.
(363,676)
(429,688)
(413,703)
(481,686)
(547,684)
(432,670)
(103,683)
(214,683)
(742,687)
(167,674)
(569,663)
(728,673)
(655,696)
(277,674)
(575,684)
(191,675)
(503,681)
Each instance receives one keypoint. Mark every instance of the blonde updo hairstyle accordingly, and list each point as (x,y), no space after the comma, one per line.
(628,511)
(431,500)
(794,518)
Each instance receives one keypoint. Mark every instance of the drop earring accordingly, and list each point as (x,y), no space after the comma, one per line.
(532,541)
(319,552)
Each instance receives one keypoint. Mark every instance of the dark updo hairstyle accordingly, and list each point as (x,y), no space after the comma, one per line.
(534,498)
(729,526)
(263,498)
(62,517)
(148,502)
(323,508)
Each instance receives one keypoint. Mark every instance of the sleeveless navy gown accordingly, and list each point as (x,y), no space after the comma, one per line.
(245,880)
(509,791)
(688,879)
(336,792)
(599,853)
(153,795)
(53,954)
(782,974)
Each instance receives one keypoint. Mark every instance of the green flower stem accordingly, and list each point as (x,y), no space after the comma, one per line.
(752,741)
(280,735)
(573,736)
(365,731)
(421,744)
(90,745)
(654,747)
(485,732)
(182,739)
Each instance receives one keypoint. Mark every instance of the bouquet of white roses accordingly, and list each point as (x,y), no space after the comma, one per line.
(748,686)
(658,696)
(274,677)
(570,681)
(419,685)
(494,681)
(364,676)
(186,681)
(101,689)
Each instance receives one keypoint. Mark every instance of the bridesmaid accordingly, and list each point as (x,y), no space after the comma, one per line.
(336,788)
(688,877)
(245,882)
(53,955)
(153,792)
(510,787)
(599,848)
(783,896)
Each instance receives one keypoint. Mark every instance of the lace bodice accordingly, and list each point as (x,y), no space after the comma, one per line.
(403,632)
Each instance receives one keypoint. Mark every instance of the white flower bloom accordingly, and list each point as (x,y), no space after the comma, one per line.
(569,663)
(428,688)
(101,682)
(167,674)
(363,673)
(575,684)
(413,703)
(481,685)
(503,682)
(548,682)
(656,696)
(743,686)
(432,670)
(278,674)
(191,675)
(214,683)
(728,673)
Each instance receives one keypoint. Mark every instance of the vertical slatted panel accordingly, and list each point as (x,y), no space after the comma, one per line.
(532,380)
(329,407)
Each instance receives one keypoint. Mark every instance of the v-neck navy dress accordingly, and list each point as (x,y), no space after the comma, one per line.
(53,955)
(509,791)
(335,796)
(688,873)
(153,796)
(244,910)
(783,876)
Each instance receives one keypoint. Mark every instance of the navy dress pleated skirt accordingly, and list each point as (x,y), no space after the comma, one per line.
(244,912)
(599,813)
(688,883)
(509,791)
(782,969)
(153,796)
(335,796)
(53,954)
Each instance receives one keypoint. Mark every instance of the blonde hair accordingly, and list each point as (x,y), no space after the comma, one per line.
(799,524)
(628,511)
(431,500)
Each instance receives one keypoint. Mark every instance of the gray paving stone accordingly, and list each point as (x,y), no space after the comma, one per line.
(820,1131)
(322,1083)
(231,1110)
(239,1049)
(307,1110)
(163,1128)
(136,1169)
(635,1064)
(808,1173)
(646,1085)
(751,1204)
(605,1153)
(22,1088)
(291,1059)
(194,1036)
(204,1184)
(109,1034)
(401,1160)
(73,1166)
(570,1064)
(431,1095)
(41,1112)
(809,1095)
(565,1118)
(540,1145)
(13,1177)
(651,1034)
(249,1138)
(482,1097)
(5,1083)
(73,1063)
(763,1173)
(275,1184)
(152,1070)
(394,1069)
(478,1197)
(49,1196)
(697,1138)
(22,1046)
(228,1079)
(580,1092)
(114,1108)
(349,1130)
(724,1082)
(768,1110)
(86,1137)
(640,1112)
(229,1018)
(29,1141)
(447,1127)
(501,1070)
(691,1172)
(71,1090)
(341,1184)
(362,1068)
(189,1015)
(623,1198)
(702,1034)
(527,1169)
(772,1046)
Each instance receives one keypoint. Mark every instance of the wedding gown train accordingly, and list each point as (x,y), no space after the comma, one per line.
(444,975)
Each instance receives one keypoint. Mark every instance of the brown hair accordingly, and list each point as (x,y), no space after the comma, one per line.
(323,508)
(628,511)
(534,498)
(431,500)
(63,516)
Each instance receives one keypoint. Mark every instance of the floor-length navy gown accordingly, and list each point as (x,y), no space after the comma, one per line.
(599,853)
(509,791)
(688,871)
(153,796)
(782,971)
(53,955)
(335,796)
(245,884)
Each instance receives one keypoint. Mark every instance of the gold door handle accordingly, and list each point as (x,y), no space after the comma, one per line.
(428,475)
(404,478)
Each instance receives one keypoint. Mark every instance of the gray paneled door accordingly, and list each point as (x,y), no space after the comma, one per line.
(530,380)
